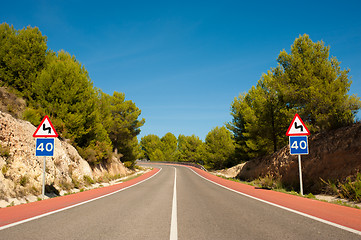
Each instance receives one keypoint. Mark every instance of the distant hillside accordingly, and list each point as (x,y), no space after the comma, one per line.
(334,156)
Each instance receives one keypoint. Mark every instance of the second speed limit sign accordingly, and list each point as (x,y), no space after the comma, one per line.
(44,147)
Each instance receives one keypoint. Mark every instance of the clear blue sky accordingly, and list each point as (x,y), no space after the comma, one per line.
(183,62)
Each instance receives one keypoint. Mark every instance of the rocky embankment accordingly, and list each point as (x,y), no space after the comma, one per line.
(21,171)
(334,156)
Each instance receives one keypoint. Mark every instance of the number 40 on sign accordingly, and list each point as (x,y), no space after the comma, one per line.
(44,147)
(298,145)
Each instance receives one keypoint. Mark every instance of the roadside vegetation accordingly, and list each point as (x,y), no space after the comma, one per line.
(307,81)
(216,152)
(58,85)
(276,185)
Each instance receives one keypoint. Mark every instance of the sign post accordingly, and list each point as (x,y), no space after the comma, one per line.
(45,145)
(297,133)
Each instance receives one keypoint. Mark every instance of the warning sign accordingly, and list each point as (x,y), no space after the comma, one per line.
(297,127)
(45,129)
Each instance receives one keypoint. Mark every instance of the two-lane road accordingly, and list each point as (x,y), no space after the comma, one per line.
(175,204)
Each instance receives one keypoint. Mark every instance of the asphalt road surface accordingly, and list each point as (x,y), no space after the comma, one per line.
(175,204)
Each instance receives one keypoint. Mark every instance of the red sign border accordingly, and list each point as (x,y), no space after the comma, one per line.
(297,134)
(45,136)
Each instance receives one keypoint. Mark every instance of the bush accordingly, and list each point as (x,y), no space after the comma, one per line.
(129,164)
(33,116)
(24,180)
(268,182)
(4,169)
(351,189)
(4,151)
(88,180)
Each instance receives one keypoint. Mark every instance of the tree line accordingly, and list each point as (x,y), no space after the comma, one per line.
(216,152)
(306,81)
(58,85)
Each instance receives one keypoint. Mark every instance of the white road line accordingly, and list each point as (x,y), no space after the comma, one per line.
(75,205)
(285,208)
(173,225)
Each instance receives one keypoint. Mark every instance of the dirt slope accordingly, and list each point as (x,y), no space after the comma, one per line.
(334,155)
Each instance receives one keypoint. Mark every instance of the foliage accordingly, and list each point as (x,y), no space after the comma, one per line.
(190,149)
(124,126)
(33,115)
(268,182)
(216,152)
(159,149)
(219,146)
(24,180)
(312,83)
(350,190)
(22,57)
(169,147)
(58,85)
(4,169)
(88,180)
(4,151)
(306,81)
(149,144)
(129,164)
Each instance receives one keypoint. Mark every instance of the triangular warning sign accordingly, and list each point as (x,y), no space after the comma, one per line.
(45,129)
(297,127)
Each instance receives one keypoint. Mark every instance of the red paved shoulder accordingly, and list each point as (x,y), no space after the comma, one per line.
(25,211)
(345,216)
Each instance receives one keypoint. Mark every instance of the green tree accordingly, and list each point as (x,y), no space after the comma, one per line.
(125,126)
(169,147)
(306,81)
(259,120)
(22,57)
(66,93)
(157,156)
(314,85)
(190,149)
(149,144)
(220,148)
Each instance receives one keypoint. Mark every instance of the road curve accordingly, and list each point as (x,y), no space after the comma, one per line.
(201,209)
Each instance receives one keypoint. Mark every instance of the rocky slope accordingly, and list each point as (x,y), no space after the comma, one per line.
(21,171)
(333,156)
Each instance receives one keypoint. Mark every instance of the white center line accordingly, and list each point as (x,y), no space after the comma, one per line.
(173,225)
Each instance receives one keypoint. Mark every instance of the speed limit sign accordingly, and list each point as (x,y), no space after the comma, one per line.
(44,147)
(298,145)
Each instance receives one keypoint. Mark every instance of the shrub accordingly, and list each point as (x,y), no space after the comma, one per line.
(4,151)
(351,189)
(129,164)
(268,182)
(4,169)
(33,116)
(88,180)
(75,182)
(24,180)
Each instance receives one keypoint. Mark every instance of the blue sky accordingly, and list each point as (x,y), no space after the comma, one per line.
(183,62)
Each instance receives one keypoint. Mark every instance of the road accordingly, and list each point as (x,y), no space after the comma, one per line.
(175,204)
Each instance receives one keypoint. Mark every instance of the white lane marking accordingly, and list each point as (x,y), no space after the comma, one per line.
(173,225)
(75,205)
(285,208)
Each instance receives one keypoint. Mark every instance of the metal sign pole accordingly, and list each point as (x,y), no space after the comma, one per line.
(43,189)
(300,173)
